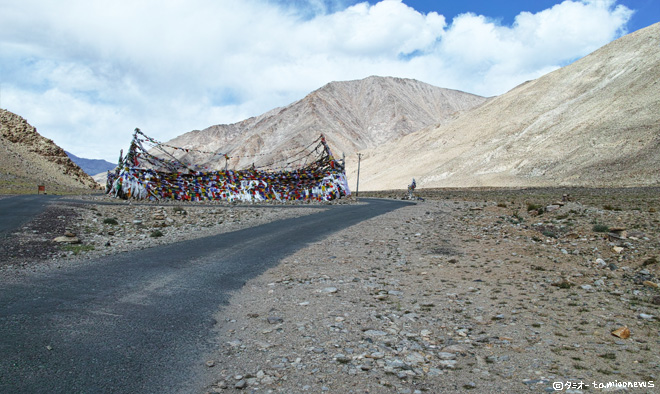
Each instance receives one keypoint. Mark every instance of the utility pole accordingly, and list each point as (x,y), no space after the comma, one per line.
(357,187)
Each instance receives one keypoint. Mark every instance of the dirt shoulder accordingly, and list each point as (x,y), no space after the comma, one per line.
(88,227)
(456,294)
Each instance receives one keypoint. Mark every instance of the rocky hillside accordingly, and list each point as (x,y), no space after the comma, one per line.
(353,115)
(595,122)
(28,159)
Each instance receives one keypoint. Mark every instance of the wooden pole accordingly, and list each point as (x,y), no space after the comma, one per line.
(357,187)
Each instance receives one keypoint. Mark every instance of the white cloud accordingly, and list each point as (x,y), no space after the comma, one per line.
(87,73)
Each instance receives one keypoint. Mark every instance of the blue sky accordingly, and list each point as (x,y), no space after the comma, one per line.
(647,11)
(88,76)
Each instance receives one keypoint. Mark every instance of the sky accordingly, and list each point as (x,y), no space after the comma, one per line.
(86,73)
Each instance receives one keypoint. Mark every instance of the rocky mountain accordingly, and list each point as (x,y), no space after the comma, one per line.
(595,122)
(353,115)
(28,159)
(91,167)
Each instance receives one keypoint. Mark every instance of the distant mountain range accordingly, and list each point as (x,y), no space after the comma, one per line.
(91,167)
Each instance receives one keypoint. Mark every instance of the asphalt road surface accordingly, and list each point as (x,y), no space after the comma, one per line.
(17,210)
(141,322)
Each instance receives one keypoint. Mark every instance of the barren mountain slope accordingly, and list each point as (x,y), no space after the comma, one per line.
(595,122)
(352,115)
(27,159)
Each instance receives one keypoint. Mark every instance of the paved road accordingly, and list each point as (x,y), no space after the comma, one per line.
(140,322)
(17,210)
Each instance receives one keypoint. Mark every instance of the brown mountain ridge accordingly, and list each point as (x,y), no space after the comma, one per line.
(28,159)
(595,122)
(353,115)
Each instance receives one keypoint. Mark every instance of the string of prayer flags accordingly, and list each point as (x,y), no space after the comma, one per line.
(322,180)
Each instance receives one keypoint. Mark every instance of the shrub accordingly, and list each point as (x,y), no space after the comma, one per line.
(532,207)
(156,234)
(112,221)
(600,228)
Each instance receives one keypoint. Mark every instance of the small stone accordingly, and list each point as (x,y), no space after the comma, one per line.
(235,343)
(342,359)
(434,372)
(623,332)
(646,316)
(396,363)
(67,240)
(648,283)
(454,349)
(262,345)
(375,333)
(617,249)
(210,363)
(415,358)
(329,290)
(274,320)
(447,364)
(446,356)
(241,384)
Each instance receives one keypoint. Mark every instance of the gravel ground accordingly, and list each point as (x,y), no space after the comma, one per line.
(450,296)
(486,291)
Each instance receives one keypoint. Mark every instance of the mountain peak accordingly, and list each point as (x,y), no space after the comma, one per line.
(353,115)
